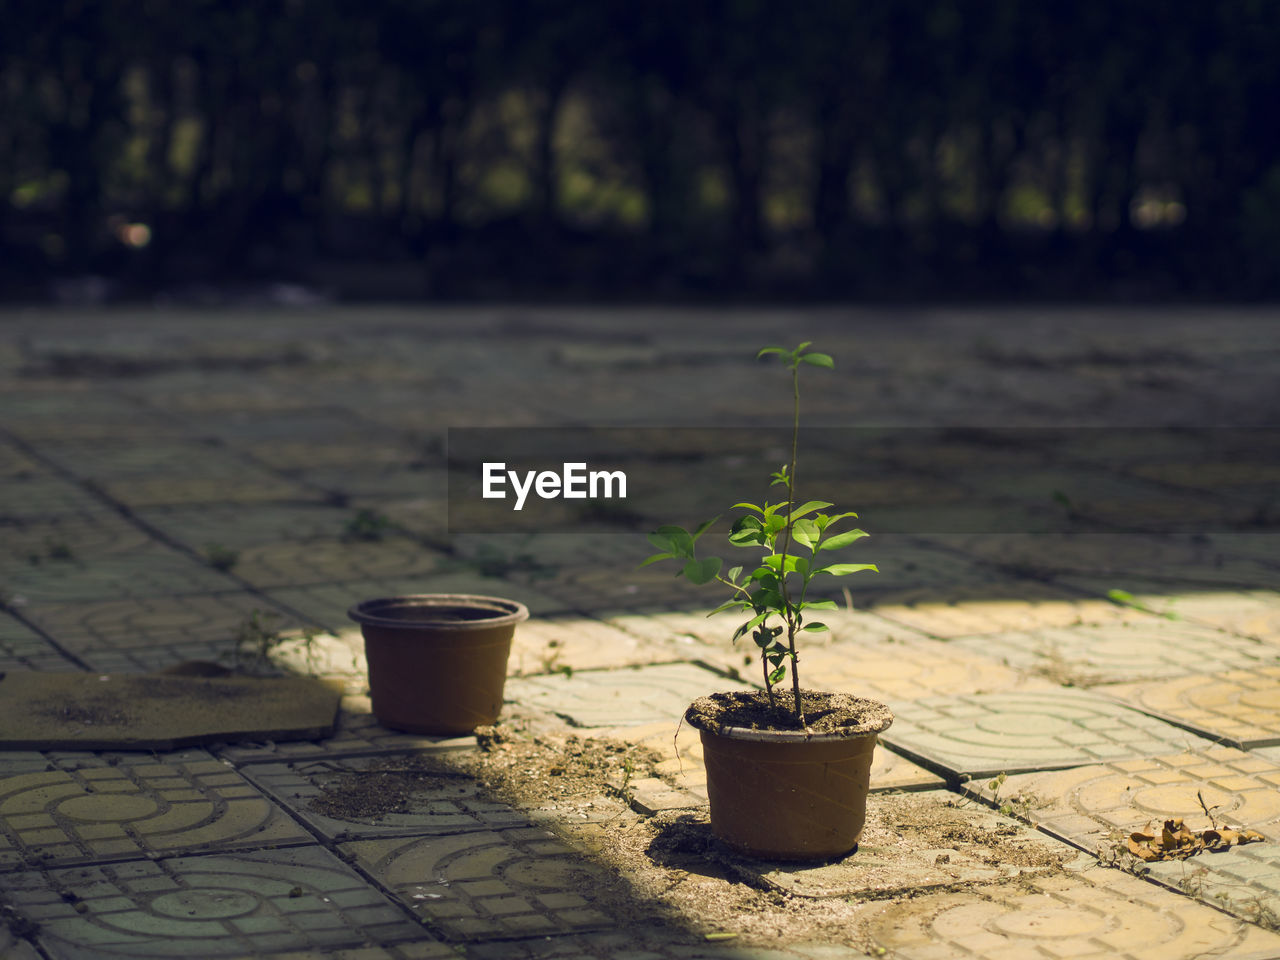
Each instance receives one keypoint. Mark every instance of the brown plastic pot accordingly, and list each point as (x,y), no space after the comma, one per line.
(437,662)
(787,795)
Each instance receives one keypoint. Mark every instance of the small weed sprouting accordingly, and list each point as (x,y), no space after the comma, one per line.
(1126,599)
(57,550)
(220,557)
(258,636)
(367,525)
(779,586)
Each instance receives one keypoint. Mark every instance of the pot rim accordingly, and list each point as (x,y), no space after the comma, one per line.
(506,612)
(779,736)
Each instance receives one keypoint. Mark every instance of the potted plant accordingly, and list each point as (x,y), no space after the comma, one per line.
(788,771)
(437,662)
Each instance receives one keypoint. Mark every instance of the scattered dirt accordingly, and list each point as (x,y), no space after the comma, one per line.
(669,870)
(386,786)
(827,713)
(104,713)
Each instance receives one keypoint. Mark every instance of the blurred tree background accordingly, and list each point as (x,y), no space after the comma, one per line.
(598,148)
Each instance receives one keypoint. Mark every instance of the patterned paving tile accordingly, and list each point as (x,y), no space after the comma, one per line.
(326,561)
(546,644)
(896,669)
(1096,804)
(21,648)
(145,572)
(181,623)
(1244,881)
(34,496)
(1091,914)
(244,485)
(242,525)
(112,458)
(487,885)
(128,805)
(228,905)
(609,698)
(440,803)
(1022,606)
(1012,732)
(1149,649)
(1240,707)
(358,734)
(59,541)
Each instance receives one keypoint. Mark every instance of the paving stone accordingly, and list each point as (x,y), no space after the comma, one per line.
(422,950)
(358,734)
(1248,613)
(547,644)
(12,947)
(246,903)
(118,458)
(86,808)
(1245,880)
(1097,805)
(439,804)
(21,648)
(244,485)
(242,525)
(327,604)
(325,561)
(43,495)
(378,480)
(487,885)
(63,541)
(1023,605)
(1093,914)
(1239,707)
(178,626)
(983,735)
(608,698)
(1137,650)
(148,571)
(907,668)
(652,943)
(14,464)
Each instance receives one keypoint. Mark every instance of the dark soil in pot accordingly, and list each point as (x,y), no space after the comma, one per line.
(826,713)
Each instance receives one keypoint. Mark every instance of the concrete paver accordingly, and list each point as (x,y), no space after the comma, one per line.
(487,885)
(987,734)
(1100,804)
(21,648)
(252,903)
(85,808)
(1240,707)
(1244,881)
(1092,913)
(439,803)
(1134,650)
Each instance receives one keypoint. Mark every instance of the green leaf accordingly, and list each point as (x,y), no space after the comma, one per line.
(815,627)
(844,569)
(747,506)
(802,567)
(819,360)
(702,527)
(656,557)
(702,571)
(777,673)
(809,507)
(841,540)
(751,624)
(802,346)
(774,562)
(819,605)
(805,533)
(823,521)
(764,352)
(730,605)
(733,574)
(678,540)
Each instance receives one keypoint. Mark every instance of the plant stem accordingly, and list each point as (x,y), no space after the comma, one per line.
(790,613)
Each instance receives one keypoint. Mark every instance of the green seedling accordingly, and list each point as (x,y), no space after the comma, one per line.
(220,557)
(258,635)
(775,591)
(367,525)
(1126,599)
